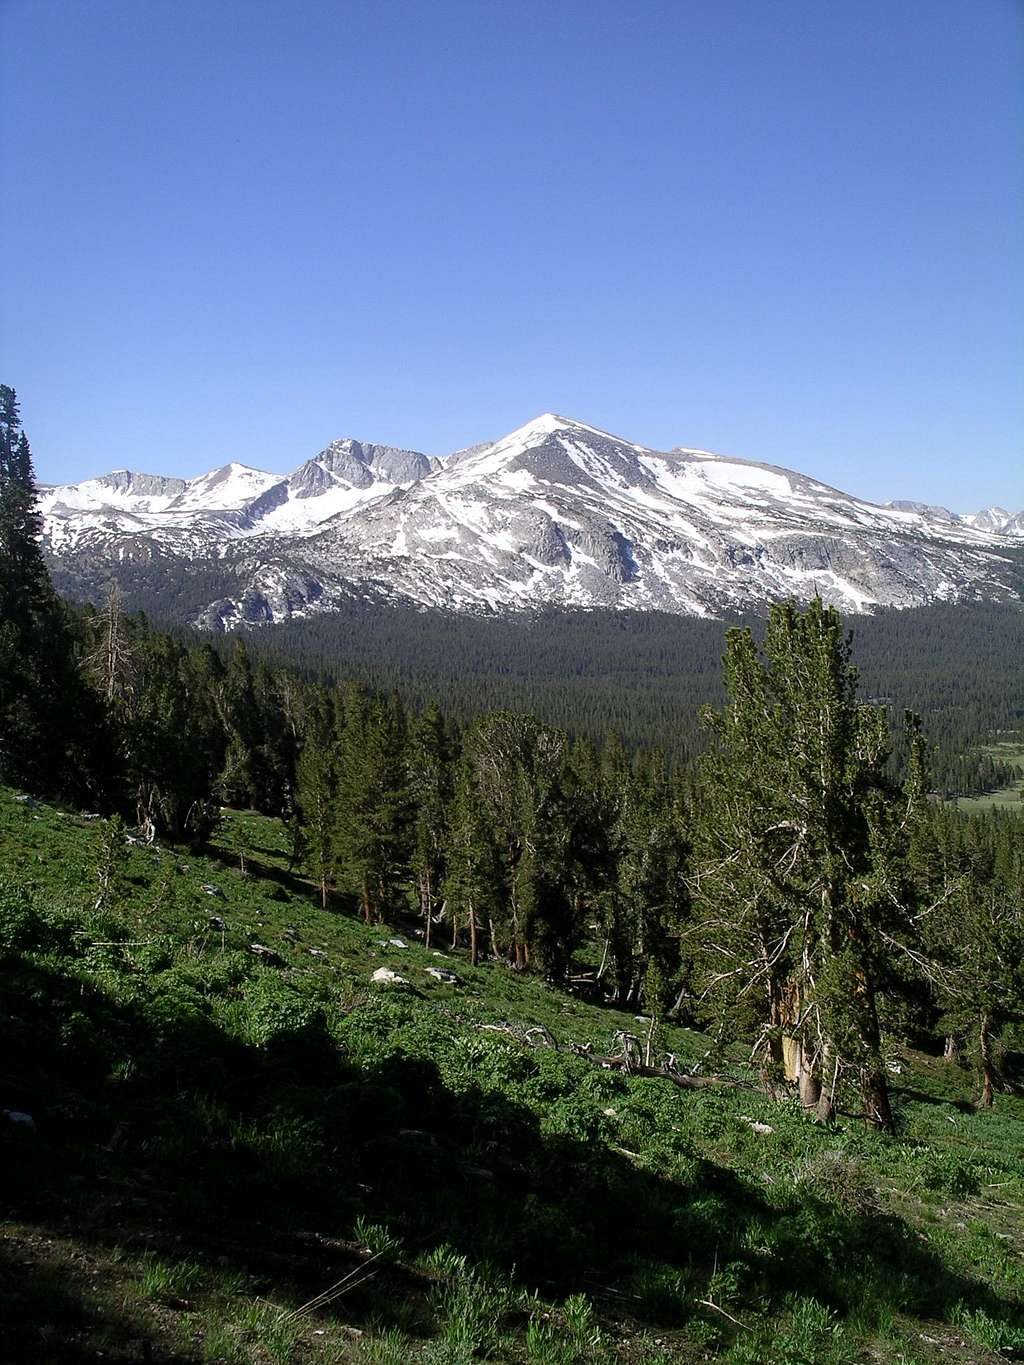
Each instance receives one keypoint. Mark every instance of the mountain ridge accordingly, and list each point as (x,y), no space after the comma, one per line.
(555,512)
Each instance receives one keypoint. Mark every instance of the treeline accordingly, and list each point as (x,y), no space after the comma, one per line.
(793,889)
(645,675)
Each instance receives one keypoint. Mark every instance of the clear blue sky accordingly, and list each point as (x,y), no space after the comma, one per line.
(785,229)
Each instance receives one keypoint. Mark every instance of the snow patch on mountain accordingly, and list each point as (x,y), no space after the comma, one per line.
(557,512)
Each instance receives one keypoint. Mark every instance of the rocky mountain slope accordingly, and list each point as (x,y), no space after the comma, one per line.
(557,512)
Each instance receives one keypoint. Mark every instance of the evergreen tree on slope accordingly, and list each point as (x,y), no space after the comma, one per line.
(45,717)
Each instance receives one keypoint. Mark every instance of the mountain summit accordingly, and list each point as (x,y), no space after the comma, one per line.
(557,512)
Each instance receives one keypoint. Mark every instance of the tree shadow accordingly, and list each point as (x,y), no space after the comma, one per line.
(910,1092)
(157,1130)
(48,1315)
(258,871)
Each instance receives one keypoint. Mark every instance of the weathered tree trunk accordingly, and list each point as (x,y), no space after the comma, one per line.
(874,1093)
(798,1064)
(677,1004)
(474,956)
(514,947)
(988,1069)
(874,1085)
(652,1031)
(825,1109)
(364,899)
(426,906)
(810,1084)
(951,1051)
(604,959)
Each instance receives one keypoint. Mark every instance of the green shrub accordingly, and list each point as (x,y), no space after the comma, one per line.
(273,1009)
(839,1178)
(20,923)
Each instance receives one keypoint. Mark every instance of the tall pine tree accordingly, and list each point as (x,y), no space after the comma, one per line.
(45,717)
(802,876)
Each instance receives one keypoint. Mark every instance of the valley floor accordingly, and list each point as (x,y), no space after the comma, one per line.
(242,1156)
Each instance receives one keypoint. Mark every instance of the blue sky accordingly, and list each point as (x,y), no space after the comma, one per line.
(783,229)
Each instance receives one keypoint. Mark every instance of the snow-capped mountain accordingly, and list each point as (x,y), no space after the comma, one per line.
(557,512)
(996,519)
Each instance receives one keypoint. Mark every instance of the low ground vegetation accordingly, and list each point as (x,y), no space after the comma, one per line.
(263,1157)
(397,1068)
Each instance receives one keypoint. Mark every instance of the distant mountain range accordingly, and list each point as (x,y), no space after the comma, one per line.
(556,513)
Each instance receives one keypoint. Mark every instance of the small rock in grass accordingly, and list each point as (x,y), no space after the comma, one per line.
(757,1125)
(318,953)
(212,890)
(266,954)
(19,1118)
(442,974)
(384,976)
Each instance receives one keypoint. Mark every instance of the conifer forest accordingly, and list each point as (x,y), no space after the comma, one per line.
(390,987)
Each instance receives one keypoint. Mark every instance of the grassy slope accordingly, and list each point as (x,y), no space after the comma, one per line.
(219,1140)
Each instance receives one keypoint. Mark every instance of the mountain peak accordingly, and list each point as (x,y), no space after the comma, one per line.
(557,512)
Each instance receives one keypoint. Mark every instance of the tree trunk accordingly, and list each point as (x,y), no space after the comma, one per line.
(874,1085)
(604,959)
(810,1084)
(364,897)
(677,1006)
(426,906)
(874,1093)
(825,1109)
(988,1070)
(473,953)
(951,1051)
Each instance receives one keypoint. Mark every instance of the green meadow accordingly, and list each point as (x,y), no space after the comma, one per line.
(260,1156)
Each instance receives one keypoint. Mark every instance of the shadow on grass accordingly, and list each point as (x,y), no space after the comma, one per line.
(48,1316)
(258,871)
(158,1131)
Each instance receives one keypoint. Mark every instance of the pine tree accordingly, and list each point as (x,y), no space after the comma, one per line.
(173,741)
(110,860)
(473,885)
(517,771)
(974,874)
(373,831)
(316,781)
(45,716)
(802,878)
(430,769)
(111,662)
(242,782)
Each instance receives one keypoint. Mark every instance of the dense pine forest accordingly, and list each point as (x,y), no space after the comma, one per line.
(764,906)
(642,675)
